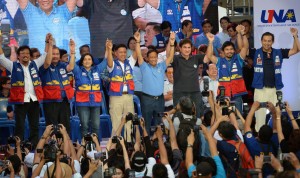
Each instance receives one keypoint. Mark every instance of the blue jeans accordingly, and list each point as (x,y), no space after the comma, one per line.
(89,117)
(238,103)
(151,106)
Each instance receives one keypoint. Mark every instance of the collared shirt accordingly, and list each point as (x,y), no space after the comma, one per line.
(202,39)
(39,24)
(223,37)
(168,86)
(213,86)
(153,78)
(29,89)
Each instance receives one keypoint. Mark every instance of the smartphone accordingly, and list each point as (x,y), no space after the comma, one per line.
(284,156)
(225,111)
(98,155)
(267,159)
(263,104)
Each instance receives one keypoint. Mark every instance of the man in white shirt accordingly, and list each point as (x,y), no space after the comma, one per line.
(168,89)
(26,91)
(213,82)
(223,35)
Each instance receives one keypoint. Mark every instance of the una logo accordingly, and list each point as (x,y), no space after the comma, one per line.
(280,17)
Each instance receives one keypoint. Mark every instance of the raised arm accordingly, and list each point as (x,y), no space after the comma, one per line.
(172,49)
(210,49)
(161,146)
(49,48)
(71,64)
(189,150)
(108,51)
(242,41)
(172,135)
(23,4)
(125,154)
(296,44)
(71,4)
(210,140)
(249,118)
(137,37)
(278,124)
(290,114)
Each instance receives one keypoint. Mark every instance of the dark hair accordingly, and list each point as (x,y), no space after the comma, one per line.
(227,130)
(159,171)
(268,34)
(247,21)
(62,52)
(225,18)
(120,46)
(185,23)
(156,28)
(206,22)
(294,145)
(22,48)
(185,41)
(84,166)
(82,58)
(16,163)
(265,134)
(168,68)
(212,163)
(286,174)
(131,38)
(33,50)
(226,44)
(207,118)
(83,46)
(152,51)
(3,81)
(186,105)
(165,25)
(151,47)
(233,26)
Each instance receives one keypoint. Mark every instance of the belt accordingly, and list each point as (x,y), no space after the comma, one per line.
(269,87)
(154,97)
(124,93)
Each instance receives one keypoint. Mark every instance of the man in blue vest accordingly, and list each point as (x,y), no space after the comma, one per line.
(57,88)
(267,63)
(159,41)
(26,90)
(230,67)
(186,31)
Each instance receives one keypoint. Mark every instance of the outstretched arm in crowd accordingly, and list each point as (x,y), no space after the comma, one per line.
(137,37)
(210,49)
(63,131)
(291,116)
(296,44)
(48,49)
(215,126)
(172,135)
(108,51)
(242,41)
(161,146)
(125,154)
(171,46)
(71,64)
(278,124)
(189,150)
(249,118)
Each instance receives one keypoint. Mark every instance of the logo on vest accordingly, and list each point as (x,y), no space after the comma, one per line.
(62,71)
(277,61)
(234,68)
(83,74)
(96,76)
(277,71)
(169,12)
(195,66)
(224,66)
(259,60)
(258,69)
(33,71)
(19,70)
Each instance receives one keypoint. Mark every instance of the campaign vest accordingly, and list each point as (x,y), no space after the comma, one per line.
(232,80)
(88,91)
(52,83)
(118,79)
(181,36)
(161,43)
(258,62)
(17,91)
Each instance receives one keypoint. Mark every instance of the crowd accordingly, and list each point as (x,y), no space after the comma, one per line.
(192,92)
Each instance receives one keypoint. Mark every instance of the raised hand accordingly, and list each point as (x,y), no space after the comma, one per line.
(109,44)
(72,46)
(210,37)
(137,36)
(294,31)
(172,38)
(240,29)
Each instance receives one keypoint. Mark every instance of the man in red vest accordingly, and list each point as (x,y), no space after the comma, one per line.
(26,91)
(230,67)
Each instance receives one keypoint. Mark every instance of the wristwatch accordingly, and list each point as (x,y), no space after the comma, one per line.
(189,145)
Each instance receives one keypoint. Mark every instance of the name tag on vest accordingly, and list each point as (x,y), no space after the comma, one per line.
(258,69)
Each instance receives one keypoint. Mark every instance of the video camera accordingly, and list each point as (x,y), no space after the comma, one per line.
(281,104)
(134,118)
(50,150)
(205,92)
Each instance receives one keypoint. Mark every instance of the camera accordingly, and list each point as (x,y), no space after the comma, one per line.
(55,131)
(131,174)
(4,163)
(205,92)
(281,105)
(109,172)
(225,111)
(88,137)
(154,128)
(50,150)
(11,140)
(115,139)
(129,117)
(284,156)
(221,96)
(161,114)
(135,120)
(26,144)
(267,159)
(5,31)
(263,104)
